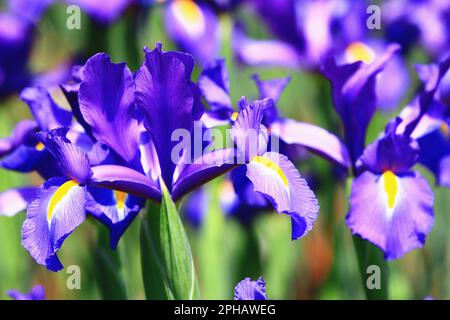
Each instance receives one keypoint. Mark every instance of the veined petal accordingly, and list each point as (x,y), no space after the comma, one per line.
(51,218)
(113,208)
(126,180)
(393,212)
(249,135)
(72,160)
(276,177)
(168,101)
(106,99)
(14,201)
(248,289)
(314,138)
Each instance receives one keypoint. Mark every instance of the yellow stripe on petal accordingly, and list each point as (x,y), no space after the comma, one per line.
(120,199)
(268,163)
(57,197)
(390,187)
(445,130)
(190,16)
(234,116)
(358,51)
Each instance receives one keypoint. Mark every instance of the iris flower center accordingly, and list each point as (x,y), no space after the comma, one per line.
(390,187)
(40,146)
(358,51)
(120,199)
(189,16)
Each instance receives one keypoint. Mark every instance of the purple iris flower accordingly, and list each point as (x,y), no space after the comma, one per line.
(194,27)
(305,31)
(410,23)
(214,85)
(37,293)
(431,131)
(391,205)
(248,289)
(17,26)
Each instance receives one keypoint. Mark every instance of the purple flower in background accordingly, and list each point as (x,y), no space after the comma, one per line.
(248,289)
(214,85)
(17,26)
(305,31)
(37,293)
(194,28)
(354,96)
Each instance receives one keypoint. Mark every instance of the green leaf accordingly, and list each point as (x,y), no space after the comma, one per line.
(167,264)
(108,269)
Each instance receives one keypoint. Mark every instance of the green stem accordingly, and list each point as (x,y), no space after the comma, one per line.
(108,269)
(372,265)
(167,264)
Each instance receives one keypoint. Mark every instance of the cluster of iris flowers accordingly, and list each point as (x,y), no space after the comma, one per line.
(110,155)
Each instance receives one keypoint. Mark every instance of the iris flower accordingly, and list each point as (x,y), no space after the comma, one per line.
(37,293)
(119,153)
(248,289)
(391,205)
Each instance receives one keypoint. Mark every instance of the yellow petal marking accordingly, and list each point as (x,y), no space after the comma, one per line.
(390,187)
(273,166)
(189,15)
(234,116)
(445,130)
(60,193)
(358,51)
(120,199)
(40,146)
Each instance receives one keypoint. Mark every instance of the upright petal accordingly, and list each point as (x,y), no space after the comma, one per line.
(273,175)
(106,100)
(51,218)
(248,289)
(214,85)
(168,101)
(393,212)
(354,96)
(249,135)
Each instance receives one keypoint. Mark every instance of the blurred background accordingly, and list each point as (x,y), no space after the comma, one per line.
(322,265)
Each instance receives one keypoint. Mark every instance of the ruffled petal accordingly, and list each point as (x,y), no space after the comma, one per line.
(168,101)
(51,218)
(393,212)
(106,100)
(273,175)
